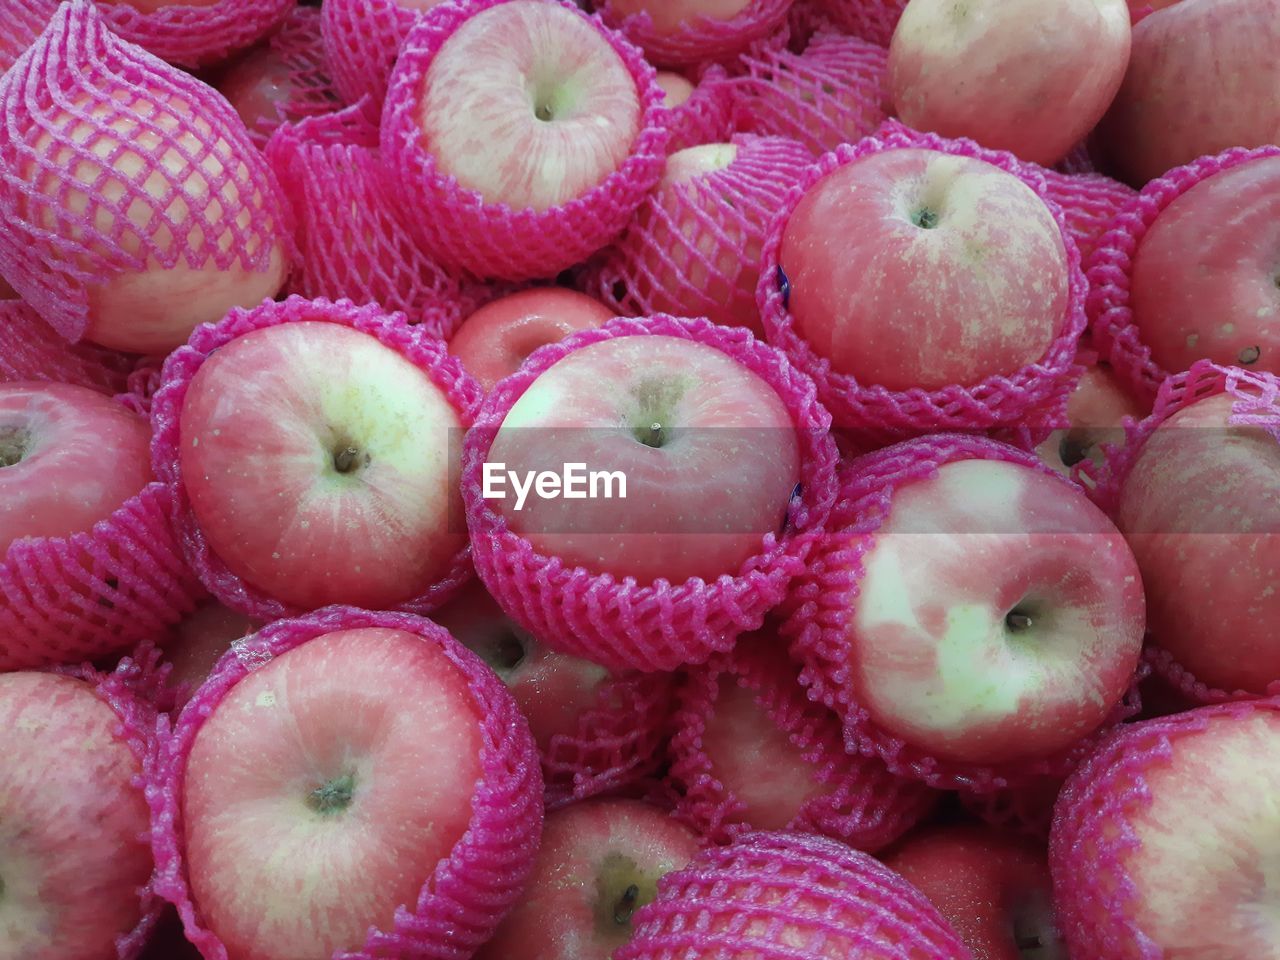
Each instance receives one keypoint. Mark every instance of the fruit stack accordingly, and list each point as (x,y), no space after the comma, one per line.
(639,479)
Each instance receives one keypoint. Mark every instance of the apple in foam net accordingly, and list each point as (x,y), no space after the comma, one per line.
(914,268)
(317,463)
(200,641)
(529,105)
(1000,615)
(671,16)
(707,448)
(1095,411)
(675,88)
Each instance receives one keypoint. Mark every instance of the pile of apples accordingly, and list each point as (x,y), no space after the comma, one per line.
(639,479)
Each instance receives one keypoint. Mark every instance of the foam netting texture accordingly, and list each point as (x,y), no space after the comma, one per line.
(707,116)
(821,609)
(693,249)
(426,352)
(469,892)
(861,803)
(659,626)
(352,240)
(30,349)
(361,41)
(1112,328)
(492,240)
(1026,809)
(1089,202)
(1093,834)
(1023,406)
(783,896)
(700,38)
(82,98)
(833,92)
(873,20)
(23,21)
(197,36)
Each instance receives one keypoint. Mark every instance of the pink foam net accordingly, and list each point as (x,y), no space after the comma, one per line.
(392,330)
(1089,202)
(701,38)
(362,39)
(658,626)
(1025,809)
(1111,323)
(23,20)
(1027,403)
(83,95)
(862,803)
(784,896)
(352,240)
(822,607)
(707,116)
(873,20)
(492,240)
(30,349)
(693,248)
(469,892)
(196,36)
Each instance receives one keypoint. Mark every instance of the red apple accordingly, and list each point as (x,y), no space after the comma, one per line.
(914,268)
(676,88)
(1095,411)
(200,640)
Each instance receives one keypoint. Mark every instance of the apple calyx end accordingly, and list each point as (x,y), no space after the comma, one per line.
(626,905)
(333,797)
(14,445)
(925,218)
(347,459)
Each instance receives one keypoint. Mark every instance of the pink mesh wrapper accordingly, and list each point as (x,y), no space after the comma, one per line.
(1089,202)
(196,36)
(30,349)
(392,330)
(23,20)
(658,626)
(783,896)
(362,39)
(833,92)
(1111,324)
(707,116)
(873,20)
(822,606)
(1025,404)
(693,249)
(858,801)
(1026,809)
(352,239)
(492,240)
(1094,895)
(83,94)
(701,38)
(469,892)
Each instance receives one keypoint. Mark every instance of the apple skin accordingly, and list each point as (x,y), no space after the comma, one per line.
(73,822)
(1205,283)
(670,17)
(1095,411)
(495,340)
(915,268)
(592,853)
(1201,79)
(200,640)
(1201,508)
(677,89)
(69,457)
(989,69)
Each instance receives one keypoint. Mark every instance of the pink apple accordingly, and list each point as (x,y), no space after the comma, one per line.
(69,457)
(529,105)
(494,341)
(259,86)
(1029,76)
(200,640)
(1095,411)
(1202,78)
(707,448)
(317,462)
(599,863)
(672,16)
(999,617)
(676,88)
(914,268)
(1201,509)
(992,887)
(73,822)
(1205,281)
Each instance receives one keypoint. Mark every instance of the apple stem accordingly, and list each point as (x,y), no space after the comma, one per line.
(13,445)
(543,112)
(626,905)
(925,219)
(346,459)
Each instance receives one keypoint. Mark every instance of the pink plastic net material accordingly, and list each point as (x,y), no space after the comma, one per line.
(822,603)
(30,349)
(492,240)
(701,38)
(469,892)
(693,249)
(84,98)
(873,20)
(707,116)
(658,626)
(1026,404)
(352,240)
(196,36)
(1111,323)
(416,345)
(858,801)
(1026,809)
(361,40)
(1078,161)
(783,896)
(23,20)
(1089,202)
(834,92)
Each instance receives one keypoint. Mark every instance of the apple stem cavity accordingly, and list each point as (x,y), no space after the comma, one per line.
(925,218)
(543,112)
(1018,621)
(333,797)
(626,905)
(346,459)
(652,435)
(13,445)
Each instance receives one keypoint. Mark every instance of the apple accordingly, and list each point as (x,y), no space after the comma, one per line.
(687,32)
(993,888)
(872,20)
(73,822)
(1201,79)
(1096,411)
(30,349)
(69,457)
(675,88)
(599,863)
(912,268)
(669,17)
(361,41)
(1205,283)
(317,459)
(200,640)
(1201,508)
(495,340)
(1029,76)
